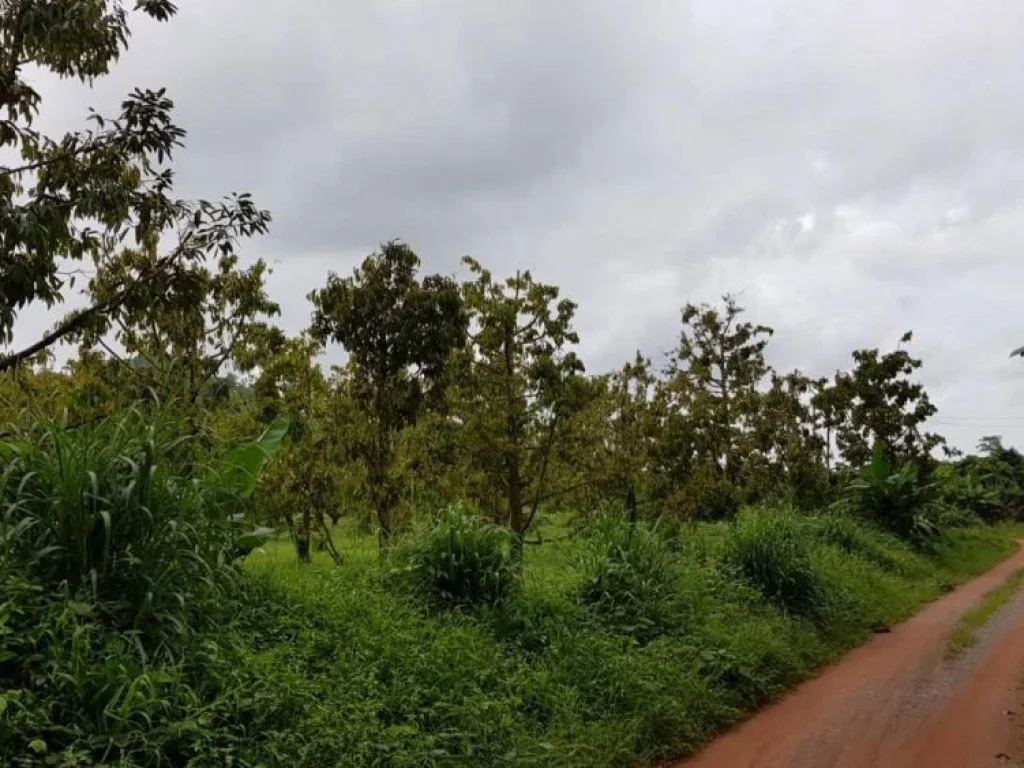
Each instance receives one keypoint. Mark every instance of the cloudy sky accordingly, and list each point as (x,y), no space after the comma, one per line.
(852,169)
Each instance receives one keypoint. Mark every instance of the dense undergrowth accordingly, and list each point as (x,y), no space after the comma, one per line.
(129,635)
(620,648)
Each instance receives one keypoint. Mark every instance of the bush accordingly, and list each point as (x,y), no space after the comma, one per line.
(98,511)
(969,489)
(990,486)
(957,516)
(630,581)
(75,691)
(461,561)
(771,550)
(706,495)
(894,497)
(116,590)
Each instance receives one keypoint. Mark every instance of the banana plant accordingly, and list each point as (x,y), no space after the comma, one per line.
(893,495)
(238,473)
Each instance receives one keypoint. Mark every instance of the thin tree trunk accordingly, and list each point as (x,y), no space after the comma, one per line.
(383,529)
(302,540)
(516,518)
(328,542)
(378,476)
(631,504)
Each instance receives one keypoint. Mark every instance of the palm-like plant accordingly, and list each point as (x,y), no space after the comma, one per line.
(893,496)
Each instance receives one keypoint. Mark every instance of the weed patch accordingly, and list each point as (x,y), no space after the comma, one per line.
(771,550)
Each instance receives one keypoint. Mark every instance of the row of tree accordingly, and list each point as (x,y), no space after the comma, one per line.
(451,390)
(474,391)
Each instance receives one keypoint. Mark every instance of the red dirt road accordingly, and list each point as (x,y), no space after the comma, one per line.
(897,703)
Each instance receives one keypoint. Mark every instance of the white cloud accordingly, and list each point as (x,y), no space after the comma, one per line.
(853,169)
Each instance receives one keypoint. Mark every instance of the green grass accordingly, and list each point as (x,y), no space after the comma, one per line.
(551,678)
(965,633)
(617,649)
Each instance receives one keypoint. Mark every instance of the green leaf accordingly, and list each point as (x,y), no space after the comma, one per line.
(240,468)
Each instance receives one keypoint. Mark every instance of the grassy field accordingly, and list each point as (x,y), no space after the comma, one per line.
(575,668)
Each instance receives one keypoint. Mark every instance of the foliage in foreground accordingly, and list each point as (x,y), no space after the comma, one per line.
(99,514)
(590,662)
(115,568)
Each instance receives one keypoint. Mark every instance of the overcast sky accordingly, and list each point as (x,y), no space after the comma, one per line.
(851,169)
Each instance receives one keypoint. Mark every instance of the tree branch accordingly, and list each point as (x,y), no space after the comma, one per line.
(97,143)
(70,326)
(80,320)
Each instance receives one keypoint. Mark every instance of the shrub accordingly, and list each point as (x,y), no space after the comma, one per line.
(894,497)
(99,511)
(989,485)
(630,580)
(970,489)
(956,516)
(705,495)
(76,691)
(771,551)
(461,561)
(117,594)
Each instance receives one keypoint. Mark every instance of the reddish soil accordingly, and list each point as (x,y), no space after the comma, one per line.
(897,702)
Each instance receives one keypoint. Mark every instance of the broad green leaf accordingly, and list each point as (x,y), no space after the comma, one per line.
(240,468)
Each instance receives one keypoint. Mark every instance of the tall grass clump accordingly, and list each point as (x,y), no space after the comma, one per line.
(118,594)
(631,579)
(460,561)
(771,549)
(100,513)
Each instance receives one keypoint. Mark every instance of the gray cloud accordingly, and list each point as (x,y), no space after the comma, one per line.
(853,169)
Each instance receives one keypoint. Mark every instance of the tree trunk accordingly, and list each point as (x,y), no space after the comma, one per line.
(383,527)
(302,539)
(828,448)
(328,543)
(516,513)
(631,504)
(381,499)
(384,498)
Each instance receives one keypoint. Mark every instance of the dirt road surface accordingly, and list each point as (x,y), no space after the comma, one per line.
(897,702)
